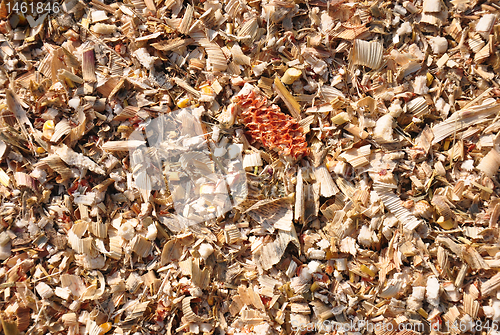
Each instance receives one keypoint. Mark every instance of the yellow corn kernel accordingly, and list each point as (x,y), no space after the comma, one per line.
(183,102)
(314,286)
(105,327)
(206,89)
(48,129)
(367,270)
(430,79)
(49,125)
(40,150)
(211,300)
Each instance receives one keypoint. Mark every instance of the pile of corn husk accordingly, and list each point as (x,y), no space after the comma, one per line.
(250,167)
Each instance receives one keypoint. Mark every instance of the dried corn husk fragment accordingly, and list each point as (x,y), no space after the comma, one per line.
(248,31)
(272,252)
(367,54)
(328,187)
(18,110)
(288,99)
(490,163)
(251,160)
(232,234)
(393,287)
(88,66)
(277,214)
(61,129)
(464,119)
(71,157)
(442,207)
(137,312)
(188,311)
(482,54)
(393,205)
(474,259)
(476,43)
(383,129)
(418,107)
(216,60)
(127,113)
(490,286)
(172,44)
(357,157)
(141,246)
(171,251)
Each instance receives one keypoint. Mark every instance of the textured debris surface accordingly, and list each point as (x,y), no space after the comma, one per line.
(249,167)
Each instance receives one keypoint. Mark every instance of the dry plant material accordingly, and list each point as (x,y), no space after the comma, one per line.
(249,167)
(266,124)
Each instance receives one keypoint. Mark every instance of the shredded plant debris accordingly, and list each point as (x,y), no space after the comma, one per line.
(249,167)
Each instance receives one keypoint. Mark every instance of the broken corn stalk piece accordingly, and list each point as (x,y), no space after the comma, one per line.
(340,118)
(287,97)
(291,75)
(422,312)
(4,178)
(356,131)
